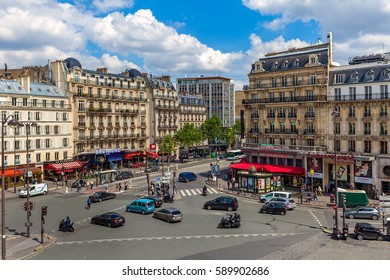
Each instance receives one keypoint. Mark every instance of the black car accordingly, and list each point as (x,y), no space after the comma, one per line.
(109,219)
(187,176)
(157,201)
(152,168)
(274,208)
(78,183)
(367,231)
(124,175)
(222,203)
(100,196)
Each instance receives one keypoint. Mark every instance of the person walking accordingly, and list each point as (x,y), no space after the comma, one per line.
(308,197)
(126,186)
(89,201)
(87,185)
(319,190)
(120,187)
(91,184)
(106,188)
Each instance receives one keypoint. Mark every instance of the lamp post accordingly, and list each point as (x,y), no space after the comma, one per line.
(335,233)
(15,160)
(11,123)
(28,126)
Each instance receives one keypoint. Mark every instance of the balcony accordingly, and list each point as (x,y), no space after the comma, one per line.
(292,115)
(309,115)
(129,112)
(284,99)
(271,116)
(254,116)
(309,131)
(281,131)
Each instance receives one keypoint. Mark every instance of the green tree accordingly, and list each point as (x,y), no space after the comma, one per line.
(212,129)
(168,145)
(231,134)
(188,136)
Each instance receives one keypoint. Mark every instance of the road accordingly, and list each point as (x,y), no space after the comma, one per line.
(297,235)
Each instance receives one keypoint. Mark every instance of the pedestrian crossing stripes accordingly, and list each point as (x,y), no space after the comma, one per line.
(187,192)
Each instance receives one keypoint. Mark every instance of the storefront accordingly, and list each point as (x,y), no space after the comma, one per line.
(363,175)
(109,158)
(57,169)
(17,174)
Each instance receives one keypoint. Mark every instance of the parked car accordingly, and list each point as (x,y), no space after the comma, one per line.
(363,213)
(367,231)
(79,182)
(274,208)
(187,176)
(222,203)
(124,175)
(157,201)
(267,197)
(169,215)
(142,205)
(152,168)
(289,202)
(35,189)
(109,219)
(100,196)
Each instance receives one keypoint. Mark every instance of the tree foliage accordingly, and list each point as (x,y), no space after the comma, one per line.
(212,129)
(188,136)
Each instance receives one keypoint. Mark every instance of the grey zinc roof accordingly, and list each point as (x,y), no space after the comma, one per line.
(42,89)
(12,87)
(360,72)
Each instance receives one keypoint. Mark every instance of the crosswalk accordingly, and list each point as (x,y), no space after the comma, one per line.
(186,192)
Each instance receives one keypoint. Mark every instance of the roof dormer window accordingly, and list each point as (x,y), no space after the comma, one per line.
(296,63)
(354,77)
(385,74)
(285,64)
(369,75)
(274,65)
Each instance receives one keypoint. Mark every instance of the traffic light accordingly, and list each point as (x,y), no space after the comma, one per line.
(32,205)
(344,198)
(44,210)
(25,206)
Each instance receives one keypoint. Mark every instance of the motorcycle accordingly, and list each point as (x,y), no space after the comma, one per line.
(168,198)
(69,228)
(204,192)
(230,221)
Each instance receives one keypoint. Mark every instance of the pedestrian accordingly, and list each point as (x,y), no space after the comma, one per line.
(319,190)
(89,201)
(301,197)
(78,187)
(55,180)
(91,184)
(315,197)
(126,185)
(87,185)
(120,187)
(116,187)
(106,188)
(174,188)
(308,197)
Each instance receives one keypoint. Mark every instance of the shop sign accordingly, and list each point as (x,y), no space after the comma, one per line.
(363,180)
(107,151)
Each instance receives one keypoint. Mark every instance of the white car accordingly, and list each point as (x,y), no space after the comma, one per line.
(35,189)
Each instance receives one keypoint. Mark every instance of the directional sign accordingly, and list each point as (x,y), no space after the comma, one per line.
(158,179)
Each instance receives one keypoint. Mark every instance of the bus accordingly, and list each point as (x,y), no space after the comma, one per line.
(234,155)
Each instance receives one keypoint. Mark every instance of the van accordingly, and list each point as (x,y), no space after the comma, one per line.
(142,205)
(35,189)
(267,197)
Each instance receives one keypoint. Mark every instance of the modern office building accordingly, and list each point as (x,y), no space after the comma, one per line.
(217,92)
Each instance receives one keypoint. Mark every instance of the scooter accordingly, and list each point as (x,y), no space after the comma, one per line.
(230,221)
(168,198)
(63,228)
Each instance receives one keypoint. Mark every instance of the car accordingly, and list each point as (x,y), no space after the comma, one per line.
(142,205)
(267,197)
(152,168)
(157,201)
(290,203)
(367,231)
(187,176)
(124,175)
(100,196)
(222,203)
(79,182)
(363,213)
(274,208)
(36,189)
(169,215)
(109,219)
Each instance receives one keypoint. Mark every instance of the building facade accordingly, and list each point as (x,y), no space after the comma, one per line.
(109,110)
(217,92)
(285,107)
(192,110)
(50,140)
(360,93)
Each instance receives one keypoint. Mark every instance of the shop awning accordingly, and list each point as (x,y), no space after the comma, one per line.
(10,173)
(151,154)
(270,168)
(131,155)
(65,165)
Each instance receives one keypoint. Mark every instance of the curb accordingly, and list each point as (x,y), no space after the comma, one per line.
(40,248)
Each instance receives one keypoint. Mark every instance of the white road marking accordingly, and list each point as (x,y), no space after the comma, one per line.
(179,237)
(315,217)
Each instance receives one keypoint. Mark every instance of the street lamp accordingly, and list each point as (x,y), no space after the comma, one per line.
(28,126)
(11,123)
(335,233)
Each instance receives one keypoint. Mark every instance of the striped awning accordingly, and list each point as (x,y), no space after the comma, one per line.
(65,165)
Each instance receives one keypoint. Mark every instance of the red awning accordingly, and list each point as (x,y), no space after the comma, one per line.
(10,173)
(65,165)
(270,168)
(151,154)
(131,155)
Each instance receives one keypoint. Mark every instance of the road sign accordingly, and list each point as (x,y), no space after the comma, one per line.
(158,179)
(334,206)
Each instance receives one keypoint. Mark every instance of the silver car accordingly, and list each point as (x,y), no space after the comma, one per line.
(289,202)
(169,215)
(363,213)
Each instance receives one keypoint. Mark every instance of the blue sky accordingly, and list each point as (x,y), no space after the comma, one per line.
(185,37)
